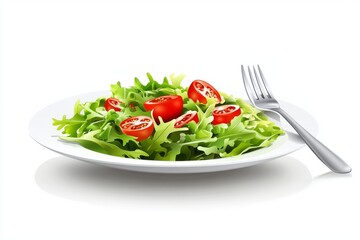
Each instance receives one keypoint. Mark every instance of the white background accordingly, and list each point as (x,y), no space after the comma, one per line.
(309,51)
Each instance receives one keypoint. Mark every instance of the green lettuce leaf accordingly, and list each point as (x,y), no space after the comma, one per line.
(91,142)
(155,144)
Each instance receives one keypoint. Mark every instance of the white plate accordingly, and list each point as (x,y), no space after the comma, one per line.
(42,131)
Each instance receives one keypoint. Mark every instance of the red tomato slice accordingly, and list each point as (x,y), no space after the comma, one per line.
(140,127)
(186,118)
(167,107)
(112,103)
(225,113)
(199,90)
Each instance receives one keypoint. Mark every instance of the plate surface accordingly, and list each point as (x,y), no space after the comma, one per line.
(42,131)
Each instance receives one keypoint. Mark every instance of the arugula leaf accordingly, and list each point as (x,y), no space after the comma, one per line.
(161,136)
(234,134)
(236,130)
(153,85)
(122,93)
(176,80)
(70,125)
(91,142)
(210,150)
(110,133)
(183,146)
(246,146)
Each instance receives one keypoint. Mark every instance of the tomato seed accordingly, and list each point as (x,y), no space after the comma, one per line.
(199,86)
(132,120)
(226,110)
(178,123)
(145,120)
(159,99)
(126,125)
(186,118)
(139,126)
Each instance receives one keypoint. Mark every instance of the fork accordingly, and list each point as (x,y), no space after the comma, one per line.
(261,96)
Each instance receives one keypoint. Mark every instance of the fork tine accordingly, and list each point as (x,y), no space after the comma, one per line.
(266,85)
(255,85)
(248,87)
(264,92)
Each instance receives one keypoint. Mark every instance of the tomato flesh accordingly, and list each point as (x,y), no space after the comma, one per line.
(167,107)
(186,118)
(112,103)
(140,127)
(225,113)
(199,90)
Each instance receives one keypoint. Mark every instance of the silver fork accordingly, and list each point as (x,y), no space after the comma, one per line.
(262,97)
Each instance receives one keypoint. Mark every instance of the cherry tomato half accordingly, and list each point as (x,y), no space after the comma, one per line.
(140,127)
(186,118)
(167,107)
(199,90)
(112,103)
(225,113)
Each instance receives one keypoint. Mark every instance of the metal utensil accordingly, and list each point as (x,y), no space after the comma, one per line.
(262,97)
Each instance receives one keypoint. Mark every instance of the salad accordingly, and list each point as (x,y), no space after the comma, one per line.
(166,121)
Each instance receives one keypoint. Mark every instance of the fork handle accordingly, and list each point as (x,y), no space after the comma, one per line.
(329,158)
